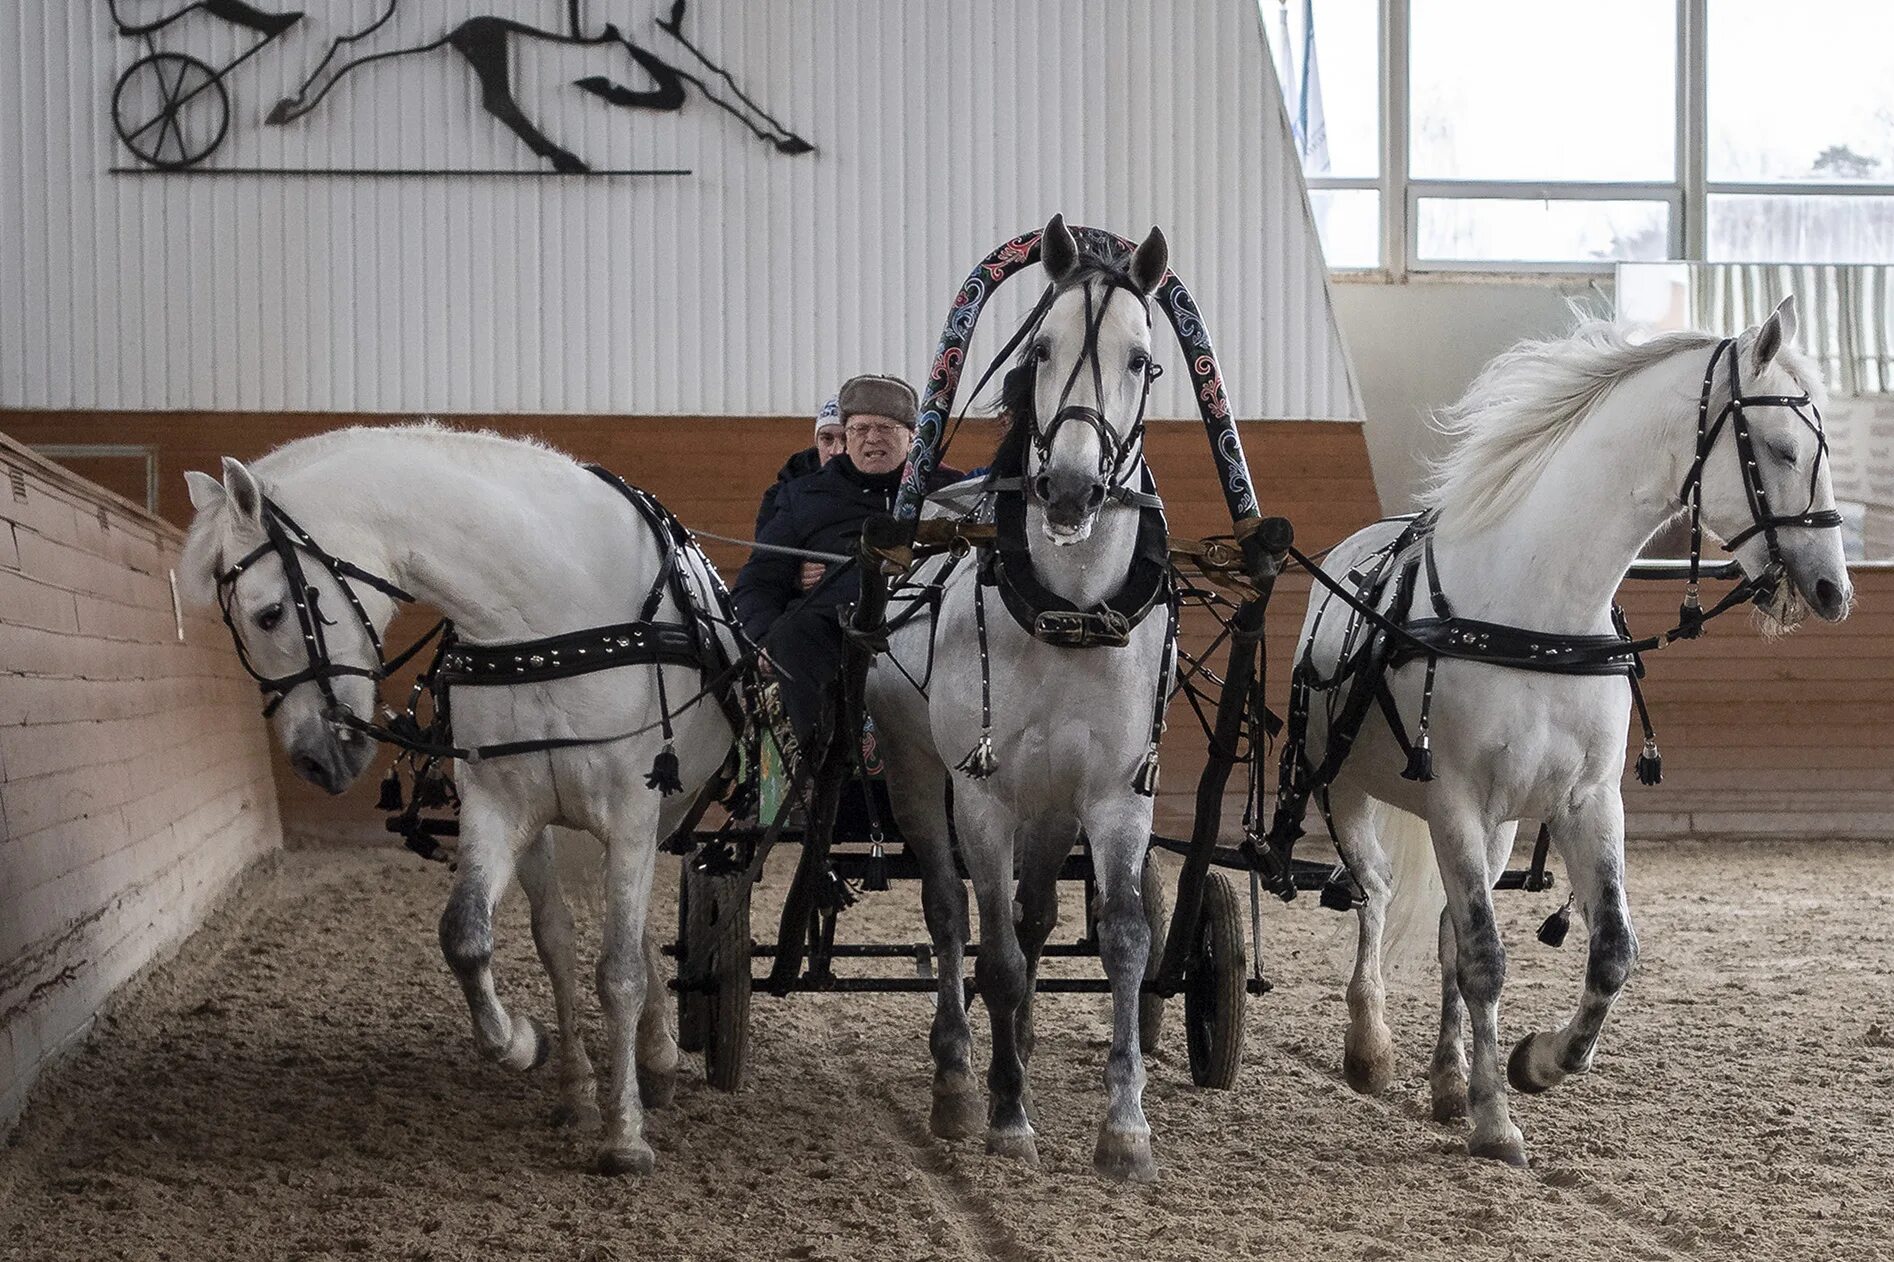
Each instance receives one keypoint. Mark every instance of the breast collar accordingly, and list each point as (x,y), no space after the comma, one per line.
(1049,617)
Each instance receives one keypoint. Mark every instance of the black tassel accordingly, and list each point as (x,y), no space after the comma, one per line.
(1145,783)
(390,799)
(875,879)
(430,791)
(1420,762)
(1650,763)
(664,775)
(1339,893)
(1690,615)
(980,761)
(1556,926)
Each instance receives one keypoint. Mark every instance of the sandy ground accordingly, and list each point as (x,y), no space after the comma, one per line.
(301,1083)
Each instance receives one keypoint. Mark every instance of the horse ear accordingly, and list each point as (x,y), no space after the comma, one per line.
(206,492)
(1058,249)
(1777,329)
(1151,261)
(243,491)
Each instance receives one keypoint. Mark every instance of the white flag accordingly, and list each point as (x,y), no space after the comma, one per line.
(1310,126)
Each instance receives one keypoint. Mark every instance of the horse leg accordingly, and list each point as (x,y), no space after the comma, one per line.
(920,808)
(489,844)
(1367,1049)
(1036,899)
(483,42)
(999,972)
(625,977)
(1447,1072)
(1590,838)
(556,938)
(1460,846)
(1119,840)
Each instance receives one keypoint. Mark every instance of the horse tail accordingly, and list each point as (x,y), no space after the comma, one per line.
(1417,895)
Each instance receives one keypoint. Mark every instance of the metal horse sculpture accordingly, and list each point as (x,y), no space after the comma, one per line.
(485,41)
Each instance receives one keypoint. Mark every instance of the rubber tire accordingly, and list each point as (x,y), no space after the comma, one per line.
(693,1006)
(1215,990)
(727,1027)
(1157,914)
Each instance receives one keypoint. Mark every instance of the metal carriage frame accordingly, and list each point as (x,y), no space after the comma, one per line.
(1200,951)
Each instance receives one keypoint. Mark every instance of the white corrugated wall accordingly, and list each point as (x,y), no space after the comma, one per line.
(750,286)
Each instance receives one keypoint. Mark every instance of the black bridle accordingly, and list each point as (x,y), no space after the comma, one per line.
(1115,451)
(1763,522)
(290,543)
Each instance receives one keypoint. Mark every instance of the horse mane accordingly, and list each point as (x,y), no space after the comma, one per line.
(203,556)
(1524,405)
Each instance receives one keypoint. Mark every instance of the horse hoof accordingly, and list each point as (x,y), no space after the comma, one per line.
(657,1087)
(1014,1145)
(635,1159)
(1510,1149)
(1124,1156)
(1369,1069)
(1520,1071)
(530,1047)
(956,1114)
(580,1115)
(1450,1101)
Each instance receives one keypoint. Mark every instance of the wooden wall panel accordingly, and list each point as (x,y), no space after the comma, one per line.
(135,778)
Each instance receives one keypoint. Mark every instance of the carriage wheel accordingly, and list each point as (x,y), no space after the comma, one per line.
(1214,991)
(693,935)
(171,110)
(1157,914)
(727,1010)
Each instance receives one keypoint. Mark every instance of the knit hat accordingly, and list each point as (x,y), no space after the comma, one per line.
(879,396)
(831,414)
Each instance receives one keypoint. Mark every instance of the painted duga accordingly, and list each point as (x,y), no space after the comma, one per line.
(1070,727)
(1567,456)
(512,542)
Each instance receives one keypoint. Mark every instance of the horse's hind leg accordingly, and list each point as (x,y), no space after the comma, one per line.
(489,843)
(1119,840)
(626,978)
(1590,838)
(1367,1050)
(557,940)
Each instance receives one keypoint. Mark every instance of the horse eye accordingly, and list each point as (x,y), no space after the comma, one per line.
(1140,362)
(268,619)
(1041,353)
(1783,452)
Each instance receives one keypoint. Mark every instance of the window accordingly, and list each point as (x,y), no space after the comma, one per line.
(1509,136)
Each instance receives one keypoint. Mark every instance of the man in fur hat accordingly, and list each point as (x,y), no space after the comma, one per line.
(800,629)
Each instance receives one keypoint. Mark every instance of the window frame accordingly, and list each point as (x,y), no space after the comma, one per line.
(1688,194)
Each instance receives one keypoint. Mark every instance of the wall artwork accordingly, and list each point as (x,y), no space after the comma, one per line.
(173,110)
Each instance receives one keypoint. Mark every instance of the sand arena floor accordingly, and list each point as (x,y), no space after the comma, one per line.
(301,1083)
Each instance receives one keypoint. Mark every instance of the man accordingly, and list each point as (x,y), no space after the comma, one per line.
(828,445)
(800,628)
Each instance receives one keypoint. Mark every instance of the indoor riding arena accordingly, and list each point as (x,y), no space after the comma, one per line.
(1025,630)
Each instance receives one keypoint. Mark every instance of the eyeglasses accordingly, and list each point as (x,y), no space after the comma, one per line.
(879,429)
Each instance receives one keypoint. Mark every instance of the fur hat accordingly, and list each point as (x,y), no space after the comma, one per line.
(879,396)
(831,414)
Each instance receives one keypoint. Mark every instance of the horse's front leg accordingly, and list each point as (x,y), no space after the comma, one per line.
(1000,969)
(1461,847)
(1590,838)
(1120,834)
(557,940)
(1042,848)
(490,841)
(1367,1049)
(627,980)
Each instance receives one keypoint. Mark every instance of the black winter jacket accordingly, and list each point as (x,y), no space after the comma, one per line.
(808,460)
(823,512)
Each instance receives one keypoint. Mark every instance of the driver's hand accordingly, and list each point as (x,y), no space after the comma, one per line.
(812,572)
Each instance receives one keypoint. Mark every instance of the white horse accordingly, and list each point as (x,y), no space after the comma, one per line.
(1570,455)
(1070,728)
(512,542)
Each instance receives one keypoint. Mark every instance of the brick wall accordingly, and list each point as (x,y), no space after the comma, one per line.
(134,769)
